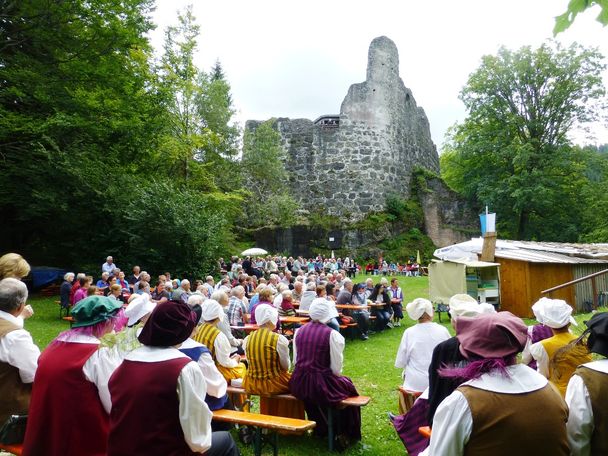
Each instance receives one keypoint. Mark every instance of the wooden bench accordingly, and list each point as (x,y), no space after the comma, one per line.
(259,422)
(407,399)
(355,401)
(350,329)
(70,319)
(13,449)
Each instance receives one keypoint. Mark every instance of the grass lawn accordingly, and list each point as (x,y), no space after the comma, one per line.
(370,364)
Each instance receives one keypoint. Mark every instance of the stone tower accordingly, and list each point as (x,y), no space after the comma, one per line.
(347,164)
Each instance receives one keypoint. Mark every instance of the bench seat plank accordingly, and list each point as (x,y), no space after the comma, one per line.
(264,421)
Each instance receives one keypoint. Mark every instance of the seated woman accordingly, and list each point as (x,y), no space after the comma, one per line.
(224,325)
(81,292)
(417,345)
(587,394)
(536,333)
(268,357)
(216,397)
(381,306)
(264,298)
(211,337)
(323,299)
(137,311)
(167,416)
(496,410)
(554,361)
(317,378)
(414,356)
(71,385)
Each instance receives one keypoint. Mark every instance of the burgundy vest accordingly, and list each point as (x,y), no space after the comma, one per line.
(66,417)
(145,409)
(312,345)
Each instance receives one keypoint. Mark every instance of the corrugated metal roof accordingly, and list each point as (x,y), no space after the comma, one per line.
(536,256)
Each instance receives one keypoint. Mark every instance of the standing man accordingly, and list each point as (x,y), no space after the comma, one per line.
(18,354)
(108,266)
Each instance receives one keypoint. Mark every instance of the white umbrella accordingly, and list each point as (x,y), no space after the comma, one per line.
(254,251)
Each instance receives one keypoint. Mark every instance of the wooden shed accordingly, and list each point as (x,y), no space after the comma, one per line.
(528,268)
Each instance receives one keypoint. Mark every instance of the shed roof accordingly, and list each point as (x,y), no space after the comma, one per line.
(533,252)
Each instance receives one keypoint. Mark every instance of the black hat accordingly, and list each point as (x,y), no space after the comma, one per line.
(598,333)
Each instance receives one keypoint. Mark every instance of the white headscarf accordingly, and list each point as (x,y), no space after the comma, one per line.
(463,305)
(331,307)
(266,313)
(138,308)
(319,311)
(486,308)
(418,307)
(211,309)
(555,313)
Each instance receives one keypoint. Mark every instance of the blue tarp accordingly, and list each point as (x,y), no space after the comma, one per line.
(42,276)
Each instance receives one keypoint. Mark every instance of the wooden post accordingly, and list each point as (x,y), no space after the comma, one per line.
(594,291)
(489,247)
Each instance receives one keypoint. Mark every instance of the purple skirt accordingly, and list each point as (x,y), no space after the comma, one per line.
(320,390)
(407,427)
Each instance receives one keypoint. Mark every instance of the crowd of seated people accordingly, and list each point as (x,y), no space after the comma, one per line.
(473,389)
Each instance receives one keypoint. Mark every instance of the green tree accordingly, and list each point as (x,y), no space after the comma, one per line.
(565,20)
(263,163)
(77,109)
(216,109)
(512,152)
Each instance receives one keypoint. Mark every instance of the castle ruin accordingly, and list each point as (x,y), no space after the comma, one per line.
(346,164)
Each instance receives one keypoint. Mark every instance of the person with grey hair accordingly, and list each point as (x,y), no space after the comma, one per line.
(182,292)
(224,325)
(298,288)
(18,353)
(309,295)
(66,288)
(108,266)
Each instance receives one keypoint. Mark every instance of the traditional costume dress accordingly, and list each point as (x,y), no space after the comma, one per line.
(414,356)
(555,360)
(587,396)
(497,412)
(268,372)
(217,343)
(417,345)
(167,416)
(317,380)
(69,411)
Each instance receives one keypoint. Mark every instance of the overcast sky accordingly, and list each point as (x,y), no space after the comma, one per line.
(297,59)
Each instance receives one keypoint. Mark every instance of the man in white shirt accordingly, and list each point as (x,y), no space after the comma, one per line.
(18,354)
(108,266)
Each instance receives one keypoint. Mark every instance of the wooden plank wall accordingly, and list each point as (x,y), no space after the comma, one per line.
(546,275)
(513,289)
(521,283)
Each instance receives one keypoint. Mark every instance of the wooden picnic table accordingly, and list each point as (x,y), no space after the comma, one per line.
(350,307)
(247,327)
(298,320)
(302,312)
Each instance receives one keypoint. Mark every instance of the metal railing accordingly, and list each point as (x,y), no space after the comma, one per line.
(582,279)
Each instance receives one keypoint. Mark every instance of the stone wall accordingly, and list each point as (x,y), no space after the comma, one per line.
(382,136)
(448,218)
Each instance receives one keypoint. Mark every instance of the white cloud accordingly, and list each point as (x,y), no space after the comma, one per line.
(297,59)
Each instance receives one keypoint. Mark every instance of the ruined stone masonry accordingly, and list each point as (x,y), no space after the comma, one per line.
(346,164)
